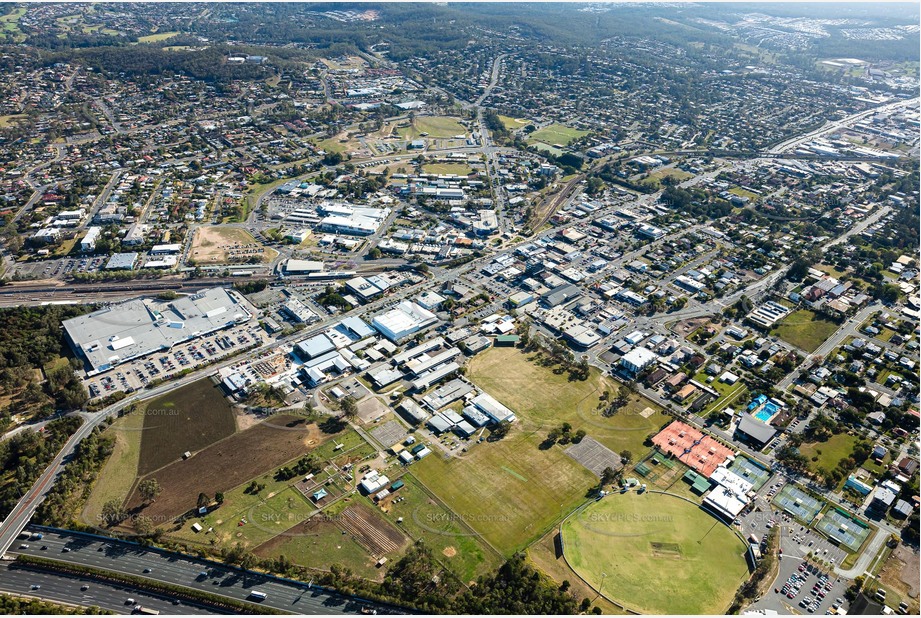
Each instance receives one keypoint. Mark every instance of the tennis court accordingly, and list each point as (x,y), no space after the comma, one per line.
(843,529)
(798,503)
(660,470)
(750,471)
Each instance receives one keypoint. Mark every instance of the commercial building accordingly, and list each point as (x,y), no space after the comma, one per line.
(88,242)
(754,431)
(135,328)
(122,261)
(637,359)
(302,267)
(767,314)
(403,320)
(352,220)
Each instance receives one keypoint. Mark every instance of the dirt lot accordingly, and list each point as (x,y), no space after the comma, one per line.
(188,419)
(371,531)
(901,573)
(226,464)
(227,245)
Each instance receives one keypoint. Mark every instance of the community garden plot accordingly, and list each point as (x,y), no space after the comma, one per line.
(389,433)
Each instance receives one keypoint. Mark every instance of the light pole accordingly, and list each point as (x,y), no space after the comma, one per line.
(601,585)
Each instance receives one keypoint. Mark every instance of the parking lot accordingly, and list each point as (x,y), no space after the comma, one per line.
(134,375)
(797,542)
(46,269)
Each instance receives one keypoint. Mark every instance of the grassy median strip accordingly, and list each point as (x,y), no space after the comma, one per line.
(148,585)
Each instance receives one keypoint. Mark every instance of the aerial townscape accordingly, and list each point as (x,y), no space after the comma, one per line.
(445,308)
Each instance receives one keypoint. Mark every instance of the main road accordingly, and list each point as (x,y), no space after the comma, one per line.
(18,580)
(201,575)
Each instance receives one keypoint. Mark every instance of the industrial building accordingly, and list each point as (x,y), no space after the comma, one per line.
(135,328)
(403,320)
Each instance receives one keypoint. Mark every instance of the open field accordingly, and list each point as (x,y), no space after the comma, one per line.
(744,193)
(829,453)
(513,124)
(556,134)
(188,419)
(543,399)
(347,63)
(461,169)
(674,172)
(899,576)
(263,514)
(661,554)
(435,126)
(805,329)
(510,491)
(156,37)
(228,463)
(545,555)
(831,270)
(319,543)
(117,477)
(9,23)
(6,121)
(453,543)
(226,245)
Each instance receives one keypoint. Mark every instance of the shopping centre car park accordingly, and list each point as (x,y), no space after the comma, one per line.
(136,374)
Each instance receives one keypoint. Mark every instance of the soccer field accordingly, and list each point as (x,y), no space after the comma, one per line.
(660,554)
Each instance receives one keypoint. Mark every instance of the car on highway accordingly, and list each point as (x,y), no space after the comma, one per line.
(24,546)
(84,587)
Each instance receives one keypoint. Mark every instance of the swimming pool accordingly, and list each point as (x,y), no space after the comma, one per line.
(766,413)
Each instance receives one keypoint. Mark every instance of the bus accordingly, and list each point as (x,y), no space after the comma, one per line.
(259,596)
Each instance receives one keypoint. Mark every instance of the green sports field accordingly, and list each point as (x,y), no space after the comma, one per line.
(435,126)
(511,492)
(556,134)
(542,399)
(805,329)
(660,554)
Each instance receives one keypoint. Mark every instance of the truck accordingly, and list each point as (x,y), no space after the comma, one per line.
(259,596)
(139,609)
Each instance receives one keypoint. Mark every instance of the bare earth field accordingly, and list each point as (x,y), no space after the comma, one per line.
(227,245)
(188,419)
(226,464)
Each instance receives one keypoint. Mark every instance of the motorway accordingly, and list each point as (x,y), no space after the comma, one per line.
(17,579)
(166,567)
(832,126)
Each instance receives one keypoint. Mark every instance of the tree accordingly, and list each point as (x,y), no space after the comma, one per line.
(349,407)
(149,490)
(608,476)
(798,270)
(113,513)
(203,500)
(501,430)
(626,456)
(219,498)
